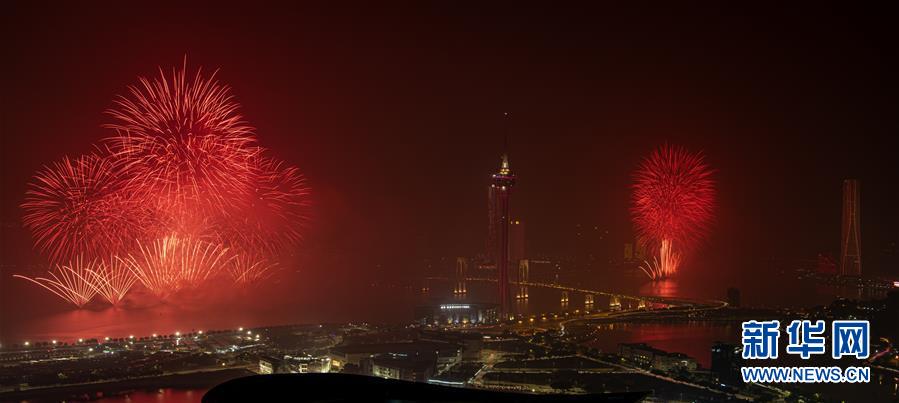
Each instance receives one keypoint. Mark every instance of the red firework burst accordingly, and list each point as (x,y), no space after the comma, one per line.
(182,142)
(76,207)
(673,204)
(276,211)
(179,195)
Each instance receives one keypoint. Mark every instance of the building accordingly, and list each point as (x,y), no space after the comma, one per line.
(361,355)
(726,362)
(640,354)
(470,342)
(461,313)
(643,355)
(670,362)
(306,364)
(392,366)
(850,245)
(271,365)
(499,215)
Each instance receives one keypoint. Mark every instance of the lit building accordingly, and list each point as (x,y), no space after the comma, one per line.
(637,353)
(456,314)
(391,366)
(498,195)
(307,364)
(646,356)
(271,365)
(850,245)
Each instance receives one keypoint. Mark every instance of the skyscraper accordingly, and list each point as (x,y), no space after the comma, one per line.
(850,245)
(499,193)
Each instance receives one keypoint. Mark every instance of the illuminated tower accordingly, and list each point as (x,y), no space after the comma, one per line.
(850,245)
(498,237)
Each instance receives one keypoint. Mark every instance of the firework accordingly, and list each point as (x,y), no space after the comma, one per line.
(248,269)
(75,207)
(663,265)
(112,279)
(178,195)
(673,201)
(71,282)
(173,263)
(276,212)
(182,142)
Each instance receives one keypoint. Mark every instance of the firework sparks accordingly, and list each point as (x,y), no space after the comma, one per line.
(167,201)
(71,282)
(173,263)
(276,213)
(183,142)
(75,207)
(248,269)
(112,279)
(673,203)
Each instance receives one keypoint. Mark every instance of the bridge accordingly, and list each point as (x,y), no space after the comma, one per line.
(670,301)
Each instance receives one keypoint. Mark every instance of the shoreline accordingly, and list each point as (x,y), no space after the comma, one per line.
(104,389)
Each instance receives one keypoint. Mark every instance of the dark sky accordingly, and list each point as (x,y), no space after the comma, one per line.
(396,114)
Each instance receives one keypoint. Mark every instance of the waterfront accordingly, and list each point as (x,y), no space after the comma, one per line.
(301,303)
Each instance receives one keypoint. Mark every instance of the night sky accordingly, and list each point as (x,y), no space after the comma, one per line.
(396,116)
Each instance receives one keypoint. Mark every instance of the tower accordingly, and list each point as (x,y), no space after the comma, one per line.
(850,245)
(498,232)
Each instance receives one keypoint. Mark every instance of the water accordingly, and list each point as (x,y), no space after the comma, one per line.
(29,313)
(168,395)
(289,303)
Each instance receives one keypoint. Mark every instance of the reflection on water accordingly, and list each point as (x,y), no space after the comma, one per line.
(295,303)
(693,338)
(19,322)
(522,305)
(661,288)
(167,395)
